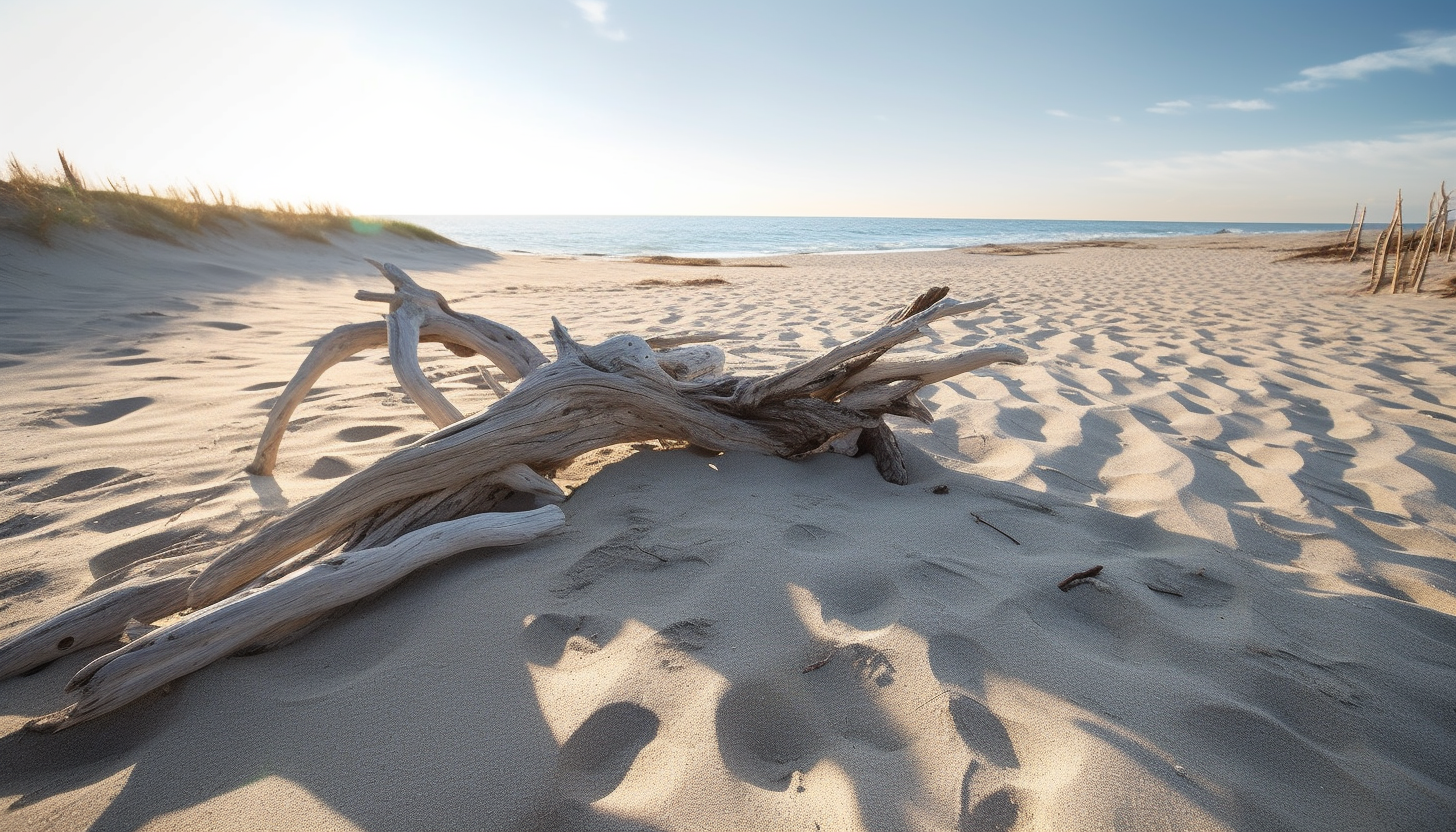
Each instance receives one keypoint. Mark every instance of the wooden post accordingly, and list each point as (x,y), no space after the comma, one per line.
(1434,221)
(1399,235)
(1382,249)
(1359,229)
(1418,246)
(1351,232)
(1377,266)
(1448,228)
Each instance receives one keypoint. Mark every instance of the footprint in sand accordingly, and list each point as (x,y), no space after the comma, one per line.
(864,601)
(630,555)
(770,729)
(764,738)
(1075,397)
(692,634)
(996,812)
(847,690)
(264,385)
(100,414)
(226,325)
(598,755)
(555,639)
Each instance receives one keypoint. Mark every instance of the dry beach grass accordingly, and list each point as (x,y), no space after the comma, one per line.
(36,204)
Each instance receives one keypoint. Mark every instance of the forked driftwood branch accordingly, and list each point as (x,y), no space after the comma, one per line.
(406,509)
(415,314)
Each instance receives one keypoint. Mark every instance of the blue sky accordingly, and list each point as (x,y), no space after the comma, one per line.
(1230,111)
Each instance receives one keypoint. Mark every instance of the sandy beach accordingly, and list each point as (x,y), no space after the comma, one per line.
(1262,461)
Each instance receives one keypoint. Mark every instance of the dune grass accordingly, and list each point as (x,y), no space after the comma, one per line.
(36,203)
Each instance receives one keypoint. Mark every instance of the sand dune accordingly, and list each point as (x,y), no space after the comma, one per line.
(1262,461)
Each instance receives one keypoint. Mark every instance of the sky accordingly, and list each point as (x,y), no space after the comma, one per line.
(1231,111)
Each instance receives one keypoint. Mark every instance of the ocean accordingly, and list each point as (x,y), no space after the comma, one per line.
(749,236)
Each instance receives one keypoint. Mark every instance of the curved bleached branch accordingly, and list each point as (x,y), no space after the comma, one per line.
(416,314)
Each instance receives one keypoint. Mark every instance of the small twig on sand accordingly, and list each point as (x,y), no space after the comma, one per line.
(1078,577)
(816,665)
(983,521)
(927,702)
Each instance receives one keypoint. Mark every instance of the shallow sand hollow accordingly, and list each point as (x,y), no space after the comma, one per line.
(1262,462)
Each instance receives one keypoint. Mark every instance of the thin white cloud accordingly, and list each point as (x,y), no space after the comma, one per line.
(1246,106)
(1170,108)
(1427,51)
(1417,151)
(1074,117)
(595,13)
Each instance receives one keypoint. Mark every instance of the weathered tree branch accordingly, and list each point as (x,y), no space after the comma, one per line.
(403,510)
(196,641)
(415,314)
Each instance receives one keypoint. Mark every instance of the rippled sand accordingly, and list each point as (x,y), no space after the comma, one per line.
(1262,461)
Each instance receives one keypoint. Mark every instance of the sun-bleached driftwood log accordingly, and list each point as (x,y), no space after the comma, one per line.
(220,630)
(96,619)
(415,314)
(626,389)
(612,393)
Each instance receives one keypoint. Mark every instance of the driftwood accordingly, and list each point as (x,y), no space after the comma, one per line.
(1400,245)
(197,640)
(1358,229)
(1430,235)
(1394,234)
(415,314)
(405,510)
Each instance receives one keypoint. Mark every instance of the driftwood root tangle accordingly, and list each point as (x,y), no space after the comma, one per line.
(621,391)
(432,499)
